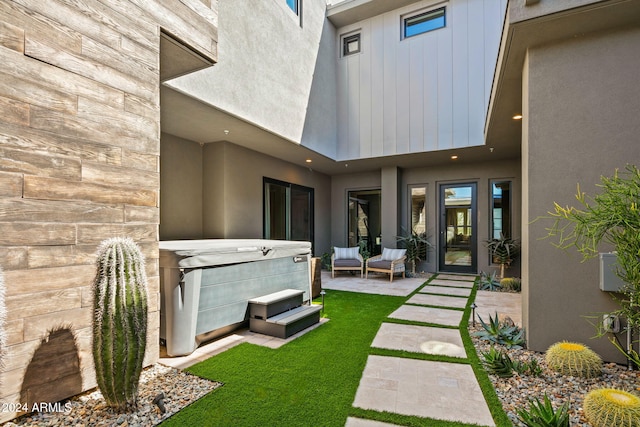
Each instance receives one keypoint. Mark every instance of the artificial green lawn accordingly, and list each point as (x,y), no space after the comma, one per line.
(311,381)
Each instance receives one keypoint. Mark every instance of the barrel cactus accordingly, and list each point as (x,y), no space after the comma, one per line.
(120,321)
(608,407)
(578,360)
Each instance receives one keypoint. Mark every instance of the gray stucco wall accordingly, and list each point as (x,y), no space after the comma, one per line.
(181,188)
(233,194)
(581,100)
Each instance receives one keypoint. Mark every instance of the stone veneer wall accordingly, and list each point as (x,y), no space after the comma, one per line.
(79,161)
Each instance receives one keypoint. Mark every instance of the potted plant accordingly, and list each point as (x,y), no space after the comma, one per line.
(416,245)
(504,250)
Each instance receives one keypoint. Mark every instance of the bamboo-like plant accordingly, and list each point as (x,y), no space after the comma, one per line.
(120,321)
(504,250)
(613,217)
(416,245)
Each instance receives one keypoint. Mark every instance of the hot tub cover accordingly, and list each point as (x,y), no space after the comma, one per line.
(212,252)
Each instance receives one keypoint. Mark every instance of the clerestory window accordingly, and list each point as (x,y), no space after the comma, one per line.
(422,22)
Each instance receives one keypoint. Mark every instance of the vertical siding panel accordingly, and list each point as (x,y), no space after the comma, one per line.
(431,95)
(494,11)
(403,94)
(377,86)
(353,113)
(459,22)
(342,102)
(476,72)
(416,102)
(389,97)
(365,92)
(445,89)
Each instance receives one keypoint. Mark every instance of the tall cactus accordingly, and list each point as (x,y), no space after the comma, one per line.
(120,320)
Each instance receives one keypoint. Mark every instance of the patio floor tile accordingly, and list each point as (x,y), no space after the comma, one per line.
(420,339)
(438,300)
(438,316)
(424,389)
(375,284)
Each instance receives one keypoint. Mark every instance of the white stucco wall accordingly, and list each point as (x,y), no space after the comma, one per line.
(267,61)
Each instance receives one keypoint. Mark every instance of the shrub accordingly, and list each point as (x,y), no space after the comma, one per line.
(511,284)
(608,407)
(542,414)
(575,359)
(502,333)
(120,320)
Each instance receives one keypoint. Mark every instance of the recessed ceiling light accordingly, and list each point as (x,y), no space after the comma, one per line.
(454,157)
(226,131)
(308,160)
(517,117)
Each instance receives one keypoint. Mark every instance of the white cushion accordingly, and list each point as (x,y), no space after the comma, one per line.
(392,254)
(346,253)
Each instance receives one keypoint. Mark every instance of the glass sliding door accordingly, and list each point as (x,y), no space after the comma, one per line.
(287,211)
(458,239)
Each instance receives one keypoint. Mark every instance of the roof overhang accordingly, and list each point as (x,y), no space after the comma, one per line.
(351,11)
(529,24)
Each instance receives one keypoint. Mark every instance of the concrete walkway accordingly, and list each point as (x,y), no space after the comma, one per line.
(424,388)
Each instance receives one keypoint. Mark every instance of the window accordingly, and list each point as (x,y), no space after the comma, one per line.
(418,210)
(287,211)
(423,22)
(500,209)
(294,5)
(350,44)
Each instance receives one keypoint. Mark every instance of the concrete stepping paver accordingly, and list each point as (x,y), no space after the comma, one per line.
(454,283)
(462,277)
(420,339)
(446,290)
(438,300)
(438,316)
(422,388)
(504,303)
(359,422)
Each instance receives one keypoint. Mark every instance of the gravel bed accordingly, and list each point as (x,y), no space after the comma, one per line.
(89,408)
(516,391)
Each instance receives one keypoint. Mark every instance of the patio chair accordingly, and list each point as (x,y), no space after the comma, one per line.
(391,261)
(346,259)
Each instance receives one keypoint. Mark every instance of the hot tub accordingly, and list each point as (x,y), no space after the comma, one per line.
(205,285)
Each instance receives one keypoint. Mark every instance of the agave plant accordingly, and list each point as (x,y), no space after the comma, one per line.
(542,414)
(501,333)
(489,282)
(497,362)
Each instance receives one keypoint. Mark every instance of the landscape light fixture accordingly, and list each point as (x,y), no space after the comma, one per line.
(473,308)
(323,293)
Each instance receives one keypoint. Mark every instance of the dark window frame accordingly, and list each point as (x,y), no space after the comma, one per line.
(289,187)
(349,38)
(414,19)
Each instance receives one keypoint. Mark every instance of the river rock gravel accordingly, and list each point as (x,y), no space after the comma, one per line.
(516,391)
(90,410)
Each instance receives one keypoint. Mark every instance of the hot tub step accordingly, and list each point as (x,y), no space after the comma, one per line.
(288,323)
(275,303)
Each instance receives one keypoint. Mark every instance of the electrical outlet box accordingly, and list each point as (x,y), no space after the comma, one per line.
(609,280)
(611,323)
